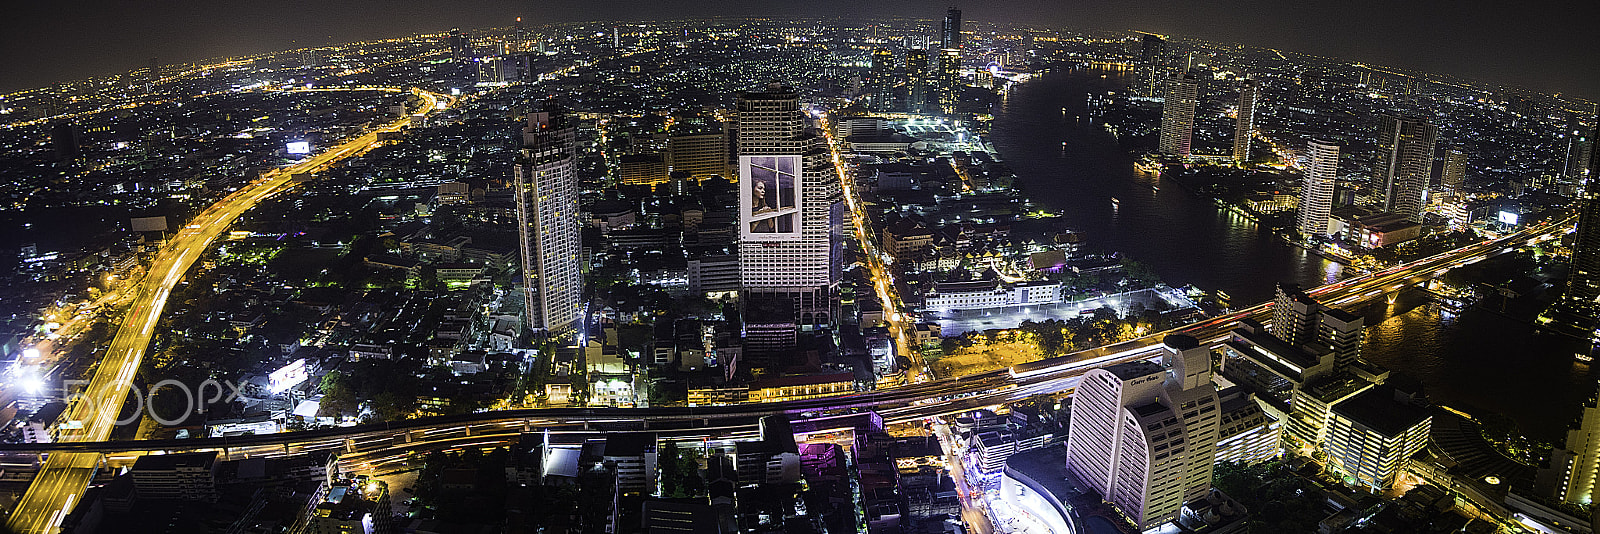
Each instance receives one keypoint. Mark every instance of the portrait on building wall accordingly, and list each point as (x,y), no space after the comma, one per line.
(771,196)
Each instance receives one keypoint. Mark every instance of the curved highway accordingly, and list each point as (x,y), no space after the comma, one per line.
(91,416)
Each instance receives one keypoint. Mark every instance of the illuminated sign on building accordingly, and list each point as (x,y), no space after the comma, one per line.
(1508,218)
(769,199)
(298,147)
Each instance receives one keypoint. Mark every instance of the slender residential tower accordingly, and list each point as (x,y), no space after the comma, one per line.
(1316,192)
(1245,124)
(1405,163)
(1177,114)
(549,224)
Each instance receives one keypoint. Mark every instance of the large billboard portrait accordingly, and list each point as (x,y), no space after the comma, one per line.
(769,202)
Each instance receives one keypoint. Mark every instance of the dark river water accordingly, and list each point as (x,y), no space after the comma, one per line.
(1480,362)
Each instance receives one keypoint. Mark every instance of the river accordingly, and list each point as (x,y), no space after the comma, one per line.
(1480,362)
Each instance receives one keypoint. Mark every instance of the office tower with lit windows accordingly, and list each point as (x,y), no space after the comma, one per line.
(790,215)
(1580,145)
(1294,315)
(1583,278)
(1144,435)
(949,78)
(699,155)
(1373,434)
(949,83)
(1342,332)
(1177,114)
(460,46)
(916,80)
(1316,191)
(1405,163)
(1152,49)
(1571,474)
(1454,172)
(549,224)
(883,80)
(950,30)
(1244,122)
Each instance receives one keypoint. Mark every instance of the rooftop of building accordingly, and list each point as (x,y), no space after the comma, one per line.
(621,444)
(153,462)
(1131,370)
(1378,410)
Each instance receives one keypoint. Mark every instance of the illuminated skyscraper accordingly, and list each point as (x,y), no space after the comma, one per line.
(549,223)
(1177,114)
(1316,192)
(790,206)
(1455,171)
(1144,435)
(883,80)
(1583,279)
(1153,49)
(949,79)
(1244,125)
(1405,163)
(460,47)
(1580,145)
(950,31)
(1294,315)
(917,79)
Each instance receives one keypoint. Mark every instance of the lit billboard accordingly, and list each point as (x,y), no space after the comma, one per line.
(298,147)
(1508,218)
(769,198)
(288,376)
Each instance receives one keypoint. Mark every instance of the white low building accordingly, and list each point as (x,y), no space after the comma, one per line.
(990,294)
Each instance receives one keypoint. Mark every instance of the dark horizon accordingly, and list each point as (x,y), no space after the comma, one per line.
(1524,48)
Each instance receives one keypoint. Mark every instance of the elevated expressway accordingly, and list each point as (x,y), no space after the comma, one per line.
(90,418)
(381,446)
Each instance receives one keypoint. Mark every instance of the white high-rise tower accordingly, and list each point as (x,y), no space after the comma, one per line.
(1316,192)
(1244,124)
(549,224)
(1144,435)
(1177,114)
(790,206)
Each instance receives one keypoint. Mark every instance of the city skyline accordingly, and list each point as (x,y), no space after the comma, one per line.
(1492,49)
(753,275)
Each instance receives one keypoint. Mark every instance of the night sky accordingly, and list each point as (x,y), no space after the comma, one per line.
(1545,46)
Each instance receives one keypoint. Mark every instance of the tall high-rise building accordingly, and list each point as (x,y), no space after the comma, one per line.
(1580,145)
(1455,171)
(950,31)
(949,79)
(1177,114)
(1144,435)
(1571,475)
(1316,192)
(916,79)
(790,217)
(1244,124)
(883,80)
(1342,331)
(1583,278)
(1153,49)
(1294,315)
(460,47)
(549,223)
(1405,163)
